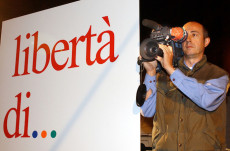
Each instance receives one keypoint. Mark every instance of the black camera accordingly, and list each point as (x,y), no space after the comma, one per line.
(149,49)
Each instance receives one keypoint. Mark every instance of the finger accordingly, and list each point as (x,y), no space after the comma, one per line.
(166,47)
(170,48)
(154,61)
(163,48)
(159,58)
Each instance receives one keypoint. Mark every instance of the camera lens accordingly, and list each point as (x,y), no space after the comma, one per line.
(149,49)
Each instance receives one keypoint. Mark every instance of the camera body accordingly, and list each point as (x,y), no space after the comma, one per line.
(174,37)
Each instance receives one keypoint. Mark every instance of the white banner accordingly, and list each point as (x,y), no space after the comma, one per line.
(68,78)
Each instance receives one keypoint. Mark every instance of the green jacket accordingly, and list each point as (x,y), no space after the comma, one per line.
(179,124)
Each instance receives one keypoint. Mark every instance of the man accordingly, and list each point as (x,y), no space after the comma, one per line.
(188,103)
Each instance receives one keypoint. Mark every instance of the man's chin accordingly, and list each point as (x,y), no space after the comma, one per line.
(190,55)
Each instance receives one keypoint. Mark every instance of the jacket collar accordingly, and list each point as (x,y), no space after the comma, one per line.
(196,67)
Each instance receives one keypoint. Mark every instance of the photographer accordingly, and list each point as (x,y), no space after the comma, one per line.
(188,103)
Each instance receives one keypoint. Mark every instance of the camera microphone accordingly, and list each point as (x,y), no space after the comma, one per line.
(178,34)
(151,24)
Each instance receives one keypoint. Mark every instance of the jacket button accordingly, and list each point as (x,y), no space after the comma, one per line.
(181,119)
(180,145)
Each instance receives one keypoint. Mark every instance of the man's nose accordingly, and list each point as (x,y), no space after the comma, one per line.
(188,38)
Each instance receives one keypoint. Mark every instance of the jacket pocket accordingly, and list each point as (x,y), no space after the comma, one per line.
(212,140)
(166,100)
(155,137)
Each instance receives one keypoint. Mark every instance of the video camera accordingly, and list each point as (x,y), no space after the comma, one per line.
(149,49)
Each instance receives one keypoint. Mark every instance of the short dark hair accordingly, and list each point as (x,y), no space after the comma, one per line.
(205,32)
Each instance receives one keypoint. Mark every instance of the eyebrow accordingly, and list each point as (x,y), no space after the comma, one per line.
(193,31)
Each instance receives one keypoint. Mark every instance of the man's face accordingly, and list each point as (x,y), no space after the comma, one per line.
(195,44)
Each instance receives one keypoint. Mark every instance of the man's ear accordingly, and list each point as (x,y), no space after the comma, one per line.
(206,41)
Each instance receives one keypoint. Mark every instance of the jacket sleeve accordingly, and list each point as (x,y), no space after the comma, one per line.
(149,106)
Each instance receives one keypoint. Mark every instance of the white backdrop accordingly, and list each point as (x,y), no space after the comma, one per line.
(90,107)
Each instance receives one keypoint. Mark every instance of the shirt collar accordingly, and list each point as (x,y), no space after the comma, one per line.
(195,67)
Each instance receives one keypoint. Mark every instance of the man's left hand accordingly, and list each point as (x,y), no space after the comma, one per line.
(167,60)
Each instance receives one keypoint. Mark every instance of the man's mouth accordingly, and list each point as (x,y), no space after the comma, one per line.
(189,46)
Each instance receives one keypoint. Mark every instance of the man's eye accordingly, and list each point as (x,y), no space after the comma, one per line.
(194,35)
